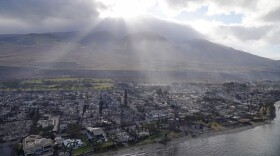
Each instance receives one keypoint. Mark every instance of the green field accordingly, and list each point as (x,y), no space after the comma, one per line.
(63,83)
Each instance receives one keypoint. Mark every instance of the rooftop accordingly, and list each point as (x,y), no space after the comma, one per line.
(95,130)
(33,142)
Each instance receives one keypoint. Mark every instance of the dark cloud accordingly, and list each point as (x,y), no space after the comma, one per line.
(273,16)
(46,15)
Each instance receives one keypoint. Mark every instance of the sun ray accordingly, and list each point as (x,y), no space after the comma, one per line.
(126,8)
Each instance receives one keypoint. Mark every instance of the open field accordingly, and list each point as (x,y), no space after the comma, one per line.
(62,83)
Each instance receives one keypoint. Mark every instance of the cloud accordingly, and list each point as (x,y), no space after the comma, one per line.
(273,37)
(173,31)
(46,15)
(184,4)
(257,32)
(257,40)
(272,16)
(258,27)
(246,33)
(214,7)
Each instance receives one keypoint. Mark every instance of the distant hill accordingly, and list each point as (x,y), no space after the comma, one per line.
(138,51)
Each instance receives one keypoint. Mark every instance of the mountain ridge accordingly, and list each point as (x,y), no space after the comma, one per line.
(140,51)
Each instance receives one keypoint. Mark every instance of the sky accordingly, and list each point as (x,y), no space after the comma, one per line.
(249,25)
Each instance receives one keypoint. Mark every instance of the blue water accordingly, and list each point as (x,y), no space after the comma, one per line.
(6,151)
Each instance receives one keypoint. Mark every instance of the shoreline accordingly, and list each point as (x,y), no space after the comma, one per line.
(142,148)
(8,144)
(226,131)
(174,141)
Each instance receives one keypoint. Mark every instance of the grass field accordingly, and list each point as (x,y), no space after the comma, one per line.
(63,83)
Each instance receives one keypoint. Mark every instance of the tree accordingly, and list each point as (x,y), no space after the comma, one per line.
(272,110)
(56,150)
(74,130)
(96,144)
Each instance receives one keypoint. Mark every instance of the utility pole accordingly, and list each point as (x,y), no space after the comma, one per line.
(125,97)
(101,103)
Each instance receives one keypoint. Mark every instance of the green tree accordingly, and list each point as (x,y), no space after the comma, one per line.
(74,130)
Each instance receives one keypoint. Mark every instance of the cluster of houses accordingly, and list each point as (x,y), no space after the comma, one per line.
(38,145)
(129,114)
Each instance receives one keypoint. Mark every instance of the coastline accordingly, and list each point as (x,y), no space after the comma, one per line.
(7,148)
(226,131)
(174,141)
(158,146)
(8,144)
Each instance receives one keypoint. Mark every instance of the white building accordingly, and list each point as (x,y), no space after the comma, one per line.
(36,145)
(74,143)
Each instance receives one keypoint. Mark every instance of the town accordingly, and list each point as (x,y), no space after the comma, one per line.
(92,116)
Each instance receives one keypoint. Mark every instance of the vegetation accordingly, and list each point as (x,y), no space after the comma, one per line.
(215,126)
(11,84)
(63,83)
(74,130)
(82,150)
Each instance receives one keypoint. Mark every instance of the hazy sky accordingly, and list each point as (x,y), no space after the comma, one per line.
(248,25)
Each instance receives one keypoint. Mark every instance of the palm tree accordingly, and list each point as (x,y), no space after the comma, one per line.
(113,139)
(96,144)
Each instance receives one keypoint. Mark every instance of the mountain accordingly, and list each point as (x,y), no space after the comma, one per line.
(159,56)
(143,36)
(172,31)
(100,37)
